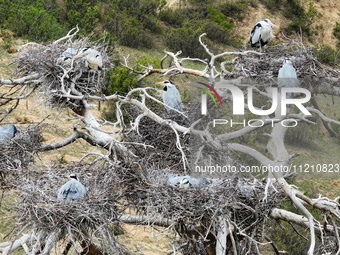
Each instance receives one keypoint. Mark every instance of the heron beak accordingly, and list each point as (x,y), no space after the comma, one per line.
(160,83)
(77,56)
(67,176)
(273,25)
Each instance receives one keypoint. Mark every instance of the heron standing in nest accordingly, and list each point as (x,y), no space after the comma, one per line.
(93,59)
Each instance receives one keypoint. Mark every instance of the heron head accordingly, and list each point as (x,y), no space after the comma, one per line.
(287,61)
(184,183)
(269,22)
(73,176)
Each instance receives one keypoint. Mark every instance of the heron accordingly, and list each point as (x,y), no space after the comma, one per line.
(287,78)
(171,97)
(7,132)
(66,56)
(72,190)
(261,33)
(185,184)
(93,59)
(182,181)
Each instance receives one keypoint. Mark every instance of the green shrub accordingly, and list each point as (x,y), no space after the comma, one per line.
(300,18)
(234,9)
(35,20)
(326,55)
(132,23)
(121,81)
(82,13)
(273,5)
(186,38)
(336,32)
(218,17)
(172,16)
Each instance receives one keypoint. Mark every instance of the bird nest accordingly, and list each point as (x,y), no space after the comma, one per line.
(17,153)
(162,139)
(267,65)
(91,221)
(42,60)
(195,212)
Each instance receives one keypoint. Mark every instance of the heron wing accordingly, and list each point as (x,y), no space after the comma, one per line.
(287,78)
(72,190)
(255,35)
(172,98)
(198,181)
(70,52)
(7,132)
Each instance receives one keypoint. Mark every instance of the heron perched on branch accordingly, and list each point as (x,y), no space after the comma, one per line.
(261,33)
(66,56)
(7,132)
(287,78)
(171,96)
(72,190)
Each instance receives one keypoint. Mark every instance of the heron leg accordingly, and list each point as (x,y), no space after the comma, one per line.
(98,80)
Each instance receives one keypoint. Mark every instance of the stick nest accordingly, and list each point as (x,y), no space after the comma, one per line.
(42,59)
(17,153)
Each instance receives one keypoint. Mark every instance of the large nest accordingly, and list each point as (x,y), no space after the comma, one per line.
(162,138)
(195,212)
(42,60)
(17,153)
(268,64)
(91,221)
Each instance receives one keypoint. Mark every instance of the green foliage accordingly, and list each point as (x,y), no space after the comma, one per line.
(186,37)
(326,55)
(235,9)
(273,5)
(7,39)
(174,17)
(218,17)
(300,17)
(121,81)
(31,19)
(132,23)
(336,32)
(83,14)
(289,239)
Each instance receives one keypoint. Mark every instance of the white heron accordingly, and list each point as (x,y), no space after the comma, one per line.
(171,96)
(287,78)
(93,59)
(7,132)
(261,33)
(72,190)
